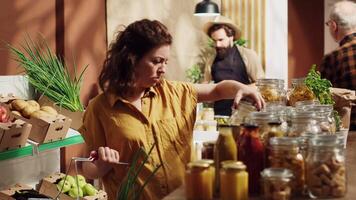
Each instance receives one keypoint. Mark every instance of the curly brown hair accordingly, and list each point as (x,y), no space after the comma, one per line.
(129,47)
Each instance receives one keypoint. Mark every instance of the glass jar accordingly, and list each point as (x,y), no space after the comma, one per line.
(211,168)
(252,154)
(300,92)
(261,119)
(274,130)
(272,90)
(325,167)
(276,183)
(324,117)
(209,126)
(208,150)
(208,114)
(243,110)
(234,182)
(199,126)
(303,122)
(284,153)
(198,181)
(225,149)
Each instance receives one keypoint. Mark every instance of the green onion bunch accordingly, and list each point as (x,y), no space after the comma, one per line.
(49,74)
(129,190)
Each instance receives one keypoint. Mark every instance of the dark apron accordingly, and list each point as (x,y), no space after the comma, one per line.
(231,67)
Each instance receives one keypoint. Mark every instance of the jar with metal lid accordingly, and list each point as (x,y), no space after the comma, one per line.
(225,149)
(211,168)
(284,153)
(272,90)
(325,167)
(208,114)
(234,182)
(252,154)
(303,122)
(276,183)
(198,181)
(243,110)
(300,92)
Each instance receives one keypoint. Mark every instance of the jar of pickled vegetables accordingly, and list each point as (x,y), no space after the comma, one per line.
(252,154)
(284,153)
(300,92)
(276,183)
(272,90)
(234,182)
(199,181)
(325,167)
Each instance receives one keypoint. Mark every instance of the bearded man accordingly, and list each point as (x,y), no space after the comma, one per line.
(231,62)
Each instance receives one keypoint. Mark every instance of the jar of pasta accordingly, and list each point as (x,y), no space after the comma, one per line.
(272,90)
(234,182)
(276,183)
(284,153)
(300,92)
(198,181)
(325,167)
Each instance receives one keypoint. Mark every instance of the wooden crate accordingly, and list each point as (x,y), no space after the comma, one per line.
(48,187)
(14,135)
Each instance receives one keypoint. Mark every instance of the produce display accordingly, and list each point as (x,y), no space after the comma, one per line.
(68,185)
(31,108)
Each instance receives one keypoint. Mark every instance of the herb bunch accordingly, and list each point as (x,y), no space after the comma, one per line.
(319,86)
(48,73)
(129,189)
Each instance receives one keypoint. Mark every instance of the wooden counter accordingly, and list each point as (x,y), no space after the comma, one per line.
(179,194)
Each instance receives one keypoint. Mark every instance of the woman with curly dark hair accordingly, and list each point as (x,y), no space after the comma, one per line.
(139,108)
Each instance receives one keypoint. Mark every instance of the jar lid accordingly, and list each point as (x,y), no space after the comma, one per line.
(237,165)
(208,109)
(324,140)
(263,81)
(209,161)
(285,141)
(225,162)
(198,164)
(298,80)
(209,143)
(276,173)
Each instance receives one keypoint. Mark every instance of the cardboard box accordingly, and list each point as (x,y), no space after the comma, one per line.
(77,117)
(49,188)
(14,135)
(47,130)
(7,98)
(9,192)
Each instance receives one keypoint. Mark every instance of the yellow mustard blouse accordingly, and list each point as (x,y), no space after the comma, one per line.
(167,120)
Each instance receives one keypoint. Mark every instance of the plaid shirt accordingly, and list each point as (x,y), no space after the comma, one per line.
(339,67)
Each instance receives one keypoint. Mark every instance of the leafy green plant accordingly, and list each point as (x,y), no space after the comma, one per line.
(129,189)
(321,89)
(319,86)
(241,42)
(194,74)
(49,74)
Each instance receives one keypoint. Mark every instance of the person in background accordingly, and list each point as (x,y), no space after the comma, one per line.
(231,61)
(139,108)
(339,66)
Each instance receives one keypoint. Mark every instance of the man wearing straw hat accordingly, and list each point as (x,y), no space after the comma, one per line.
(231,62)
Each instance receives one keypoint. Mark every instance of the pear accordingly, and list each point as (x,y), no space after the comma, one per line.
(63,186)
(73,192)
(70,179)
(81,180)
(89,190)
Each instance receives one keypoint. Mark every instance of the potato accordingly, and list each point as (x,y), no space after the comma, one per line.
(19,104)
(34,104)
(49,110)
(28,110)
(40,114)
(16,112)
